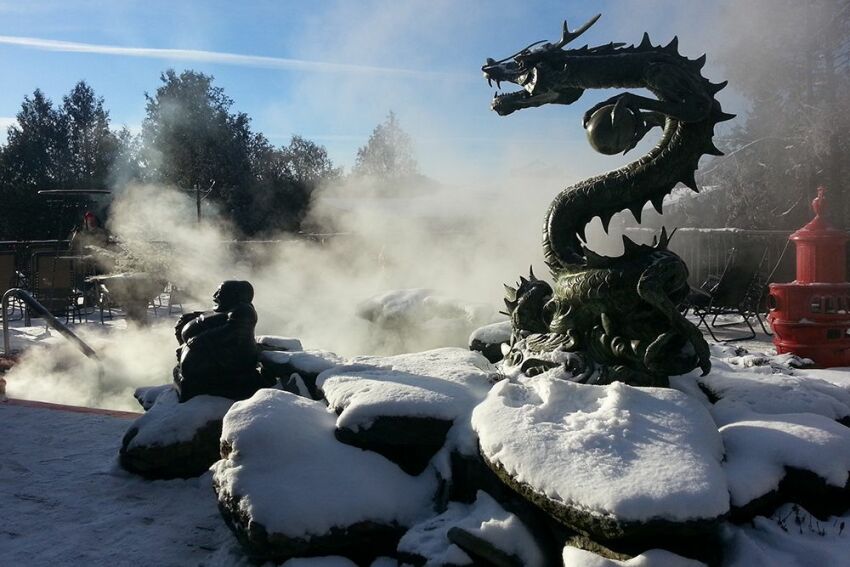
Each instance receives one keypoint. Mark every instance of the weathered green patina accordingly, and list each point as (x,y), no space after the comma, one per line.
(612,318)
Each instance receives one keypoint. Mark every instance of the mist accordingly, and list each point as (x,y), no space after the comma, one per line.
(478,227)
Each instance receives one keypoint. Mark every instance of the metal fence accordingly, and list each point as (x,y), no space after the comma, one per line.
(706,251)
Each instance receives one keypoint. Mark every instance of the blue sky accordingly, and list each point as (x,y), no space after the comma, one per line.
(330,70)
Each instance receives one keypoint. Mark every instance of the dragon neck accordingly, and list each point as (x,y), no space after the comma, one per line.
(647,180)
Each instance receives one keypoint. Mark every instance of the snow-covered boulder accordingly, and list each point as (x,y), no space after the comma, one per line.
(419,318)
(760,384)
(574,557)
(773,459)
(297,370)
(488,340)
(622,465)
(288,488)
(174,440)
(272,342)
(481,533)
(403,406)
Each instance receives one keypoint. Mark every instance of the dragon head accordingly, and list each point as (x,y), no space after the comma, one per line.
(539,70)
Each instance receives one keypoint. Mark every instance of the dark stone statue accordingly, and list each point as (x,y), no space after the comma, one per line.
(612,318)
(218,351)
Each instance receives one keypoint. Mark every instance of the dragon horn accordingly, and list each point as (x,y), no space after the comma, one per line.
(569,36)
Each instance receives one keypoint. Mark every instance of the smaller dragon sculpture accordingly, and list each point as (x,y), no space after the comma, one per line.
(612,318)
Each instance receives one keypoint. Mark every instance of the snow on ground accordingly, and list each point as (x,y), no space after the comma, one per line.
(637,453)
(65,501)
(307,482)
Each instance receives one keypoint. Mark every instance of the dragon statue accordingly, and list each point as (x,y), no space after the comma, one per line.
(612,318)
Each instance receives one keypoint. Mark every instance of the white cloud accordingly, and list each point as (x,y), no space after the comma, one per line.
(223,58)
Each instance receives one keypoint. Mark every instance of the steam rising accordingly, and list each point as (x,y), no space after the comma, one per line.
(461,239)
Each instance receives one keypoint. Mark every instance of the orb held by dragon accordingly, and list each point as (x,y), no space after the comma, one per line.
(612,318)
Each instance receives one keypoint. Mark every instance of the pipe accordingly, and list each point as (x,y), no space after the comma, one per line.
(48,317)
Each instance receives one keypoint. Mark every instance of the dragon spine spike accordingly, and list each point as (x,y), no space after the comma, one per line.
(523,281)
(582,234)
(594,260)
(699,62)
(724,116)
(715,88)
(531,274)
(673,46)
(664,240)
(630,245)
(645,43)
(637,211)
(690,181)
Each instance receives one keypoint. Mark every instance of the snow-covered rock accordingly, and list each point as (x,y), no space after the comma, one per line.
(174,440)
(423,318)
(488,340)
(271,342)
(464,532)
(614,462)
(288,488)
(574,557)
(762,388)
(767,454)
(403,406)
(297,370)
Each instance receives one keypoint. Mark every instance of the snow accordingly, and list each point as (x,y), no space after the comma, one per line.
(65,500)
(279,343)
(790,538)
(308,362)
(404,305)
(492,334)
(443,384)
(763,389)
(484,518)
(168,421)
(759,448)
(296,479)
(637,453)
(574,557)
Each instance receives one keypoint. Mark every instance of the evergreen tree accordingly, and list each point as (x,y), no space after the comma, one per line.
(191,138)
(388,154)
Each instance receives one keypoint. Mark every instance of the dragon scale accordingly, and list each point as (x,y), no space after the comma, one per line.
(612,318)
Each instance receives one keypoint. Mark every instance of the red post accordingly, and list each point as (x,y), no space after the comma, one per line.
(811,316)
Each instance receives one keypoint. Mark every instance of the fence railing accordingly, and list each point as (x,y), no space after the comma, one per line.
(705,251)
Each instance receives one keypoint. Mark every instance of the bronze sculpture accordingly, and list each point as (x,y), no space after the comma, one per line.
(612,318)
(218,351)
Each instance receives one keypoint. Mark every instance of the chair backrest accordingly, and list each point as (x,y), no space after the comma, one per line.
(735,281)
(52,280)
(7,271)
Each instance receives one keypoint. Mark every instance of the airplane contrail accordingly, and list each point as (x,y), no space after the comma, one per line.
(220,57)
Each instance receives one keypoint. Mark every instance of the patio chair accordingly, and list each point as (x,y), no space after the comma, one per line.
(53,279)
(739,290)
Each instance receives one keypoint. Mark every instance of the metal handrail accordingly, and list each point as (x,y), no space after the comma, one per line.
(48,317)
